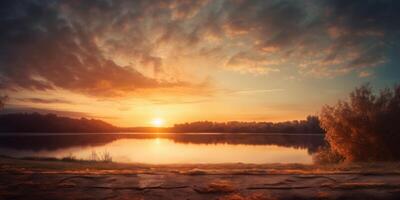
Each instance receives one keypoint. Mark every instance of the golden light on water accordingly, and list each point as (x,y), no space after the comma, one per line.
(165,151)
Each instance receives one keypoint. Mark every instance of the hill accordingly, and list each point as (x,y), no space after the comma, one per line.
(51,123)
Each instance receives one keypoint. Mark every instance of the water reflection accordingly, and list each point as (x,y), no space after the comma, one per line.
(169,148)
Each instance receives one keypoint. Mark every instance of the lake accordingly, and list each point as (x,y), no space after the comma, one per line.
(167,148)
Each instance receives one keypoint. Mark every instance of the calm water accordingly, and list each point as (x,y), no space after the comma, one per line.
(168,148)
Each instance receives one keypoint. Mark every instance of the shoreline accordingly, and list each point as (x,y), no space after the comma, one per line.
(156,133)
(44,163)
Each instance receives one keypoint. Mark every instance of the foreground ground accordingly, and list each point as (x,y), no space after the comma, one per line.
(40,179)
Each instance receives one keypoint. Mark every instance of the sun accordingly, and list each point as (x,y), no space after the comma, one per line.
(157,122)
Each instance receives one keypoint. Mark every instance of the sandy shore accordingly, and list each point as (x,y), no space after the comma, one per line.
(40,179)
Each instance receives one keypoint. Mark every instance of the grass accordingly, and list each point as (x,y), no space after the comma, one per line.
(78,165)
(104,157)
(70,158)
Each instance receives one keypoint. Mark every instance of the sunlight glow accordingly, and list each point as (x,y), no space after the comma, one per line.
(157,122)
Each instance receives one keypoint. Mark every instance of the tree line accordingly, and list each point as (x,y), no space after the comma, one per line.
(308,126)
(51,123)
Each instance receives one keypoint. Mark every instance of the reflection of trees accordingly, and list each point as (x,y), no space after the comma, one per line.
(310,142)
(53,142)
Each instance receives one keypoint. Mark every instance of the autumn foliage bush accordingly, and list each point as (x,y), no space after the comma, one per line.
(364,128)
(325,155)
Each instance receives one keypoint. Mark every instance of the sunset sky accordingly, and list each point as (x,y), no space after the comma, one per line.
(136,62)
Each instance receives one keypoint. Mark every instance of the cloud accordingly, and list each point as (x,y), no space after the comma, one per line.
(186,9)
(252,63)
(248,92)
(50,45)
(176,101)
(323,38)
(365,74)
(115,48)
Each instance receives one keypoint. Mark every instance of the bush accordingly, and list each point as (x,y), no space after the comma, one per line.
(366,127)
(325,155)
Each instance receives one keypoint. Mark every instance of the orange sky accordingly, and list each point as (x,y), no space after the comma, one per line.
(129,62)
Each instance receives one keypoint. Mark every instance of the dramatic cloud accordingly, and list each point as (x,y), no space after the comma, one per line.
(321,37)
(115,47)
(43,48)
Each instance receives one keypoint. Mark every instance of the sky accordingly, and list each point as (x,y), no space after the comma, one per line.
(133,62)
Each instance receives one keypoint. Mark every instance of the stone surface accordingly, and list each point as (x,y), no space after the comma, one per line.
(28,181)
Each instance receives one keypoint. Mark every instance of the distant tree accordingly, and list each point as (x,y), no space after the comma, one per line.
(366,127)
(309,126)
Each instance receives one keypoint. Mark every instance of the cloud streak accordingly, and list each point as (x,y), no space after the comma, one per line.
(45,101)
(248,92)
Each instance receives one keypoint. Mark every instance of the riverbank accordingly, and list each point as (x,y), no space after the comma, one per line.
(53,179)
